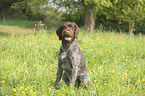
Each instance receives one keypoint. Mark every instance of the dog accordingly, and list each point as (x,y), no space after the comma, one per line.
(70,58)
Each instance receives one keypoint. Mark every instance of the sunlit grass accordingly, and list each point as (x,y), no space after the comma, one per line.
(115,62)
(15,23)
(16,27)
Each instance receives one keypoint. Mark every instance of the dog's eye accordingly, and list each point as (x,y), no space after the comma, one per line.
(70,26)
(64,27)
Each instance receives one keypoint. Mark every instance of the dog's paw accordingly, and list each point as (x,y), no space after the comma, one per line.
(56,86)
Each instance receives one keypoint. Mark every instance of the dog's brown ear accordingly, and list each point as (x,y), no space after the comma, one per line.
(59,32)
(76,31)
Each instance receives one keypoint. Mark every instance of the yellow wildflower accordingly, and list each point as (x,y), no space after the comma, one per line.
(14,90)
(113,71)
(26,89)
(125,74)
(3,81)
(3,53)
(17,94)
(22,87)
(31,91)
(134,65)
(23,92)
(18,89)
(143,80)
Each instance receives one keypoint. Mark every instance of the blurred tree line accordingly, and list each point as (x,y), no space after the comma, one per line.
(121,15)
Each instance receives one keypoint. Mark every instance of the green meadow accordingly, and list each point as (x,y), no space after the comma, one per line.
(28,63)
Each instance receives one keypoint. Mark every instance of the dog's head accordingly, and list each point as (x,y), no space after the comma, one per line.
(67,32)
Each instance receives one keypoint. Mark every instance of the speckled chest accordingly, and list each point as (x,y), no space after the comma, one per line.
(66,60)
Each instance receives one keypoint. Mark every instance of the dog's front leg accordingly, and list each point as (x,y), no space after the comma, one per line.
(73,76)
(75,65)
(59,75)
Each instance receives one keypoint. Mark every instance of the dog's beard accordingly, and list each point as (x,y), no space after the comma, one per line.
(68,40)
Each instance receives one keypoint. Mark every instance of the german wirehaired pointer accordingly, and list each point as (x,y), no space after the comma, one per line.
(70,58)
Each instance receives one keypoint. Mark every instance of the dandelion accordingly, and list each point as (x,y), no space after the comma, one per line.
(123,42)
(86,46)
(3,60)
(134,65)
(31,91)
(98,83)
(26,89)
(22,87)
(17,94)
(3,81)
(125,74)
(34,92)
(113,71)
(3,53)
(107,45)
(14,90)
(23,92)
(143,63)
(143,80)
(18,89)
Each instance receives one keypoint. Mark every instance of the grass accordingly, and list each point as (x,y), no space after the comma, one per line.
(115,62)
(14,26)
